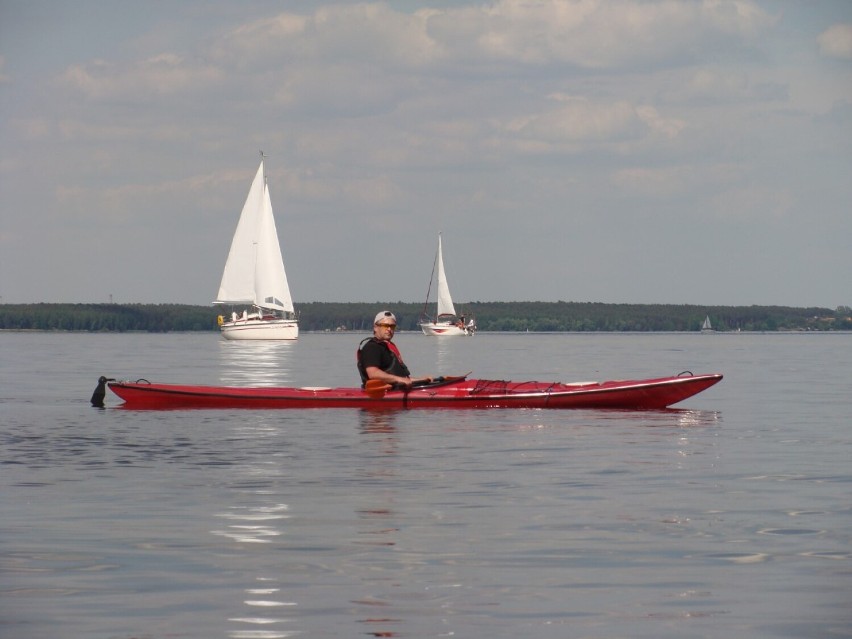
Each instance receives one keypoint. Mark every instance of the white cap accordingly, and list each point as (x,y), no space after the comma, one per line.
(385,315)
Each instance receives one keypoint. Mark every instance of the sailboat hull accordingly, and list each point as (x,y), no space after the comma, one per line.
(443,329)
(261,329)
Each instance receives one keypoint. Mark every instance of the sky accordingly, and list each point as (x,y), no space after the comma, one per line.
(624,151)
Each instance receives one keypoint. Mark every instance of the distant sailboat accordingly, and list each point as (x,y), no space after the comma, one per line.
(254,274)
(706,327)
(445,321)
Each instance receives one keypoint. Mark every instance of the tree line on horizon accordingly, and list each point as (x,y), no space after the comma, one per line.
(490,317)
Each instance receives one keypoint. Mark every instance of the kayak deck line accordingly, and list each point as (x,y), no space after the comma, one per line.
(458,392)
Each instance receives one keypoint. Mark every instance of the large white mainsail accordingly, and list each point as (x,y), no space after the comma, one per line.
(445,300)
(254,272)
(237,285)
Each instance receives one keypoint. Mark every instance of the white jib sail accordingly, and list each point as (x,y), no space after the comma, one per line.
(271,287)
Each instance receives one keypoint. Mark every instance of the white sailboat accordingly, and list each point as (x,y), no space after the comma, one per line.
(445,321)
(254,274)
(706,327)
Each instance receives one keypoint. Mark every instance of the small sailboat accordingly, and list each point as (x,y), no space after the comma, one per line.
(706,327)
(254,274)
(445,321)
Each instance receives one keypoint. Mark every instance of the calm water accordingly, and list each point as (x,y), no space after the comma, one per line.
(729,517)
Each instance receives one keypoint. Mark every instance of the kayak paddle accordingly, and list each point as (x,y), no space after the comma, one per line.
(376,388)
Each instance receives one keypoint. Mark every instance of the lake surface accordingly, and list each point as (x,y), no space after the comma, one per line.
(730,516)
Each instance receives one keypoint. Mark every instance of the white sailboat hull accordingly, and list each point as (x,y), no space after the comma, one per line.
(443,329)
(254,328)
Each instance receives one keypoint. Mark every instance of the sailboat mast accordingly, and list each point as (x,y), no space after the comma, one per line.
(256,243)
(429,290)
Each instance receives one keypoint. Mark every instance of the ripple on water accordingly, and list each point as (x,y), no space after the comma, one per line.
(790,531)
(741,557)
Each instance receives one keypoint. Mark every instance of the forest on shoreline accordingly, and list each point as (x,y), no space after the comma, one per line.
(490,317)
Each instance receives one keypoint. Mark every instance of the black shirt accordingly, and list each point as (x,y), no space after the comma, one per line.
(382,355)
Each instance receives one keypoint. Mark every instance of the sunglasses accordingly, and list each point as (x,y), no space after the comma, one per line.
(390,326)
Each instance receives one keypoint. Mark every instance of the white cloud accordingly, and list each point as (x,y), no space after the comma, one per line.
(581,33)
(667,127)
(580,122)
(592,33)
(339,32)
(34,128)
(836,41)
(676,180)
(754,203)
(716,84)
(720,85)
(162,74)
(737,17)
(347,90)
(366,58)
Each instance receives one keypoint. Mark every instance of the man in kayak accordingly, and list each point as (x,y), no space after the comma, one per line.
(379,358)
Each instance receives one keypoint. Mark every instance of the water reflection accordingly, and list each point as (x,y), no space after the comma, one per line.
(444,354)
(256,363)
(664,418)
(378,519)
(262,598)
(381,427)
(257,524)
(254,524)
(261,524)
(693,418)
(378,421)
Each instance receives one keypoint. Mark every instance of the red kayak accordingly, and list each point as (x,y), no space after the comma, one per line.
(456,392)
